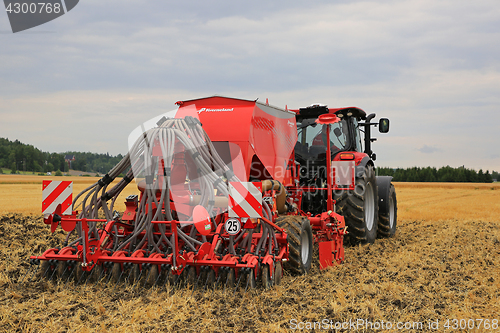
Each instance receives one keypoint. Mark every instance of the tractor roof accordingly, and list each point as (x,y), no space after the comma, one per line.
(315,110)
(356,112)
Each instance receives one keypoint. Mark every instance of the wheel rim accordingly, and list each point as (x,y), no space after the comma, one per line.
(391,212)
(304,251)
(369,206)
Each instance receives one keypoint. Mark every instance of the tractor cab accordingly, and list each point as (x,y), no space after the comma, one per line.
(312,137)
(324,131)
(345,135)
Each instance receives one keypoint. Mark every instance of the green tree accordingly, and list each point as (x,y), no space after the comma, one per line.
(49,167)
(487,177)
(480,176)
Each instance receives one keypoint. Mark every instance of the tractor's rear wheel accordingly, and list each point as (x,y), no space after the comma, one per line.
(387,221)
(360,208)
(300,242)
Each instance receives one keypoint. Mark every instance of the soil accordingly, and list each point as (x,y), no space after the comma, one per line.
(430,272)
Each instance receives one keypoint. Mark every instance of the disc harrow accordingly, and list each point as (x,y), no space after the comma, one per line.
(174,232)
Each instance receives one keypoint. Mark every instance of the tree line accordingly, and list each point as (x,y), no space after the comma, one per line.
(17,156)
(445,174)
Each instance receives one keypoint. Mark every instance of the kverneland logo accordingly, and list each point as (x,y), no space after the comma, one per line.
(214,110)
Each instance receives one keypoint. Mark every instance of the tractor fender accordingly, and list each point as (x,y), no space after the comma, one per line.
(360,168)
(384,186)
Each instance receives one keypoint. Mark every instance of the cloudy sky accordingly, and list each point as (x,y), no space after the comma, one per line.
(85,80)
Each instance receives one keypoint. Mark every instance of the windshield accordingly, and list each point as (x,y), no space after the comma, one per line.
(312,138)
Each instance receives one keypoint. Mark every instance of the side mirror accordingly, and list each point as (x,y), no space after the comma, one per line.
(383,125)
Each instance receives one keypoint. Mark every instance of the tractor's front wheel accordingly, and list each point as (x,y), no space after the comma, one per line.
(300,242)
(360,208)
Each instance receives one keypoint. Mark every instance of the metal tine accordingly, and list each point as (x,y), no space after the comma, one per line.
(119,278)
(166,277)
(238,283)
(48,268)
(130,273)
(175,283)
(196,283)
(53,273)
(111,275)
(206,281)
(29,270)
(184,283)
(90,274)
(157,278)
(248,279)
(102,273)
(34,273)
(64,272)
(147,276)
(168,269)
(216,283)
(227,280)
(81,276)
(70,274)
(156,281)
(138,279)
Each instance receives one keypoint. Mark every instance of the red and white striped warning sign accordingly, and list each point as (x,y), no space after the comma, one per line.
(56,192)
(245,200)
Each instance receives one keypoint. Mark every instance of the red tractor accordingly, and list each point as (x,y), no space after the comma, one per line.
(370,208)
(228,189)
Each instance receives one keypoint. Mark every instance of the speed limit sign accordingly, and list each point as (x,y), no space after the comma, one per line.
(232,226)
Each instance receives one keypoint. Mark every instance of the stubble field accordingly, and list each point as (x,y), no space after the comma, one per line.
(443,264)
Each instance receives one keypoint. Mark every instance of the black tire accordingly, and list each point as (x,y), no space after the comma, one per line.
(387,221)
(360,208)
(300,242)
